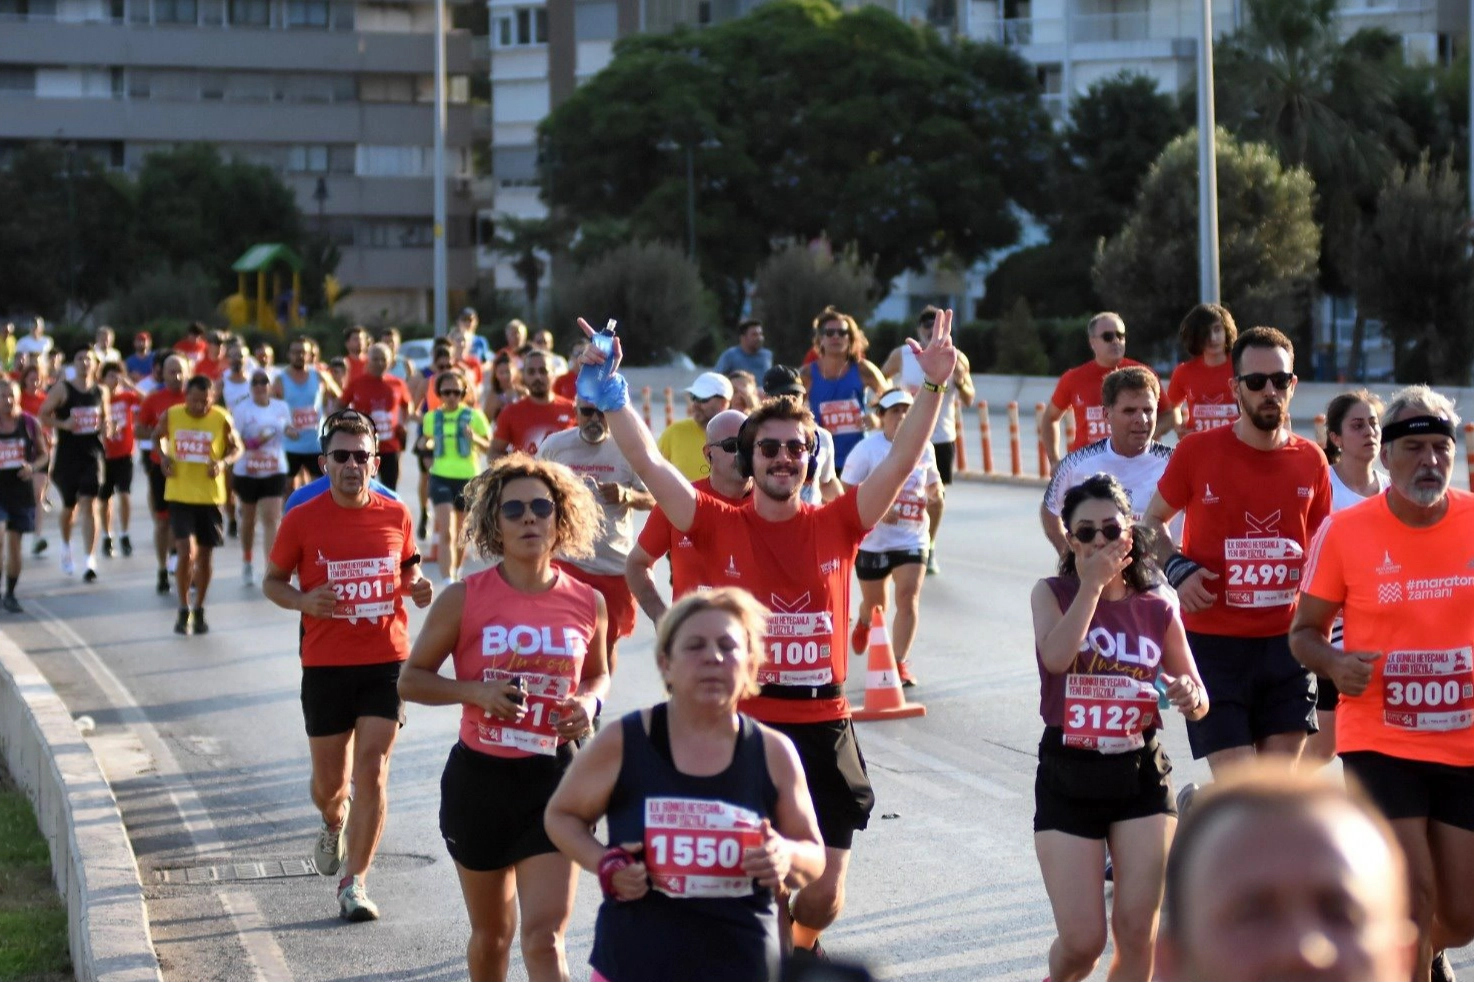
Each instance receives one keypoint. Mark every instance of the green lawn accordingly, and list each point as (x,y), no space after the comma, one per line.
(33,919)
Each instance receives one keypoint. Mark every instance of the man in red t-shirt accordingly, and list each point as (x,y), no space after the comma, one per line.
(727,483)
(151,416)
(1078,390)
(212,362)
(1254,494)
(117,451)
(385,399)
(192,345)
(797,560)
(355,343)
(522,425)
(354,557)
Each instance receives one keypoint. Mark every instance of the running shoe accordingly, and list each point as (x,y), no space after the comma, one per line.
(68,568)
(39,546)
(1185,799)
(932,566)
(860,636)
(809,956)
(424,521)
(107,546)
(126,544)
(12,605)
(354,904)
(903,670)
(200,627)
(163,585)
(172,563)
(248,575)
(233,530)
(1442,971)
(89,575)
(332,844)
(181,623)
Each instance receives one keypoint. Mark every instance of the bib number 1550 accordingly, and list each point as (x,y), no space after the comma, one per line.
(707,852)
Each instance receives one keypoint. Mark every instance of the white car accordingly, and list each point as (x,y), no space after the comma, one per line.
(418,350)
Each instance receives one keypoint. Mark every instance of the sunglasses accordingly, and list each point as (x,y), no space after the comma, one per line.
(343,457)
(728,444)
(514,509)
(1110,533)
(1256,381)
(835,332)
(589,411)
(260,382)
(769,448)
(1111,337)
(452,392)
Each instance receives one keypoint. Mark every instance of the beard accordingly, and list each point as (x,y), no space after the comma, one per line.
(1268,418)
(1424,495)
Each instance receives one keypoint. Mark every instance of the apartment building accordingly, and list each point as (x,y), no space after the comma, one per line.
(334,95)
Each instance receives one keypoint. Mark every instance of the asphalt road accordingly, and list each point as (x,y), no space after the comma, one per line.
(202,738)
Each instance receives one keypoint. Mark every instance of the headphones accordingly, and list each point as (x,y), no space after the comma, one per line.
(747,445)
(326,428)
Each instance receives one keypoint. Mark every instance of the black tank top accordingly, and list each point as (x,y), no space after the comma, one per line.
(660,937)
(86,406)
(17,447)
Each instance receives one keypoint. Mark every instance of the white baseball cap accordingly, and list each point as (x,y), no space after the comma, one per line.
(709,384)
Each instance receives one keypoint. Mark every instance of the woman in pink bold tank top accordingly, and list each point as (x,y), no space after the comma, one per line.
(1103,638)
(528,645)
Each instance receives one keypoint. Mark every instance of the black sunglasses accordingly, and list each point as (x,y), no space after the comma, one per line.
(260,382)
(1110,532)
(514,509)
(341,456)
(1109,337)
(1255,381)
(769,448)
(835,332)
(452,392)
(728,444)
(589,411)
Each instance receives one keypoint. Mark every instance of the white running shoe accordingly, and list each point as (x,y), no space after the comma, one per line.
(332,844)
(68,568)
(248,575)
(354,904)
(171,564)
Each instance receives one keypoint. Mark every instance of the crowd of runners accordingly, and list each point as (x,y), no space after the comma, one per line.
(1293,602)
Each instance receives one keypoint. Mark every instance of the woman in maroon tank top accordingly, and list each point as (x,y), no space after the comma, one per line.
(1103,636)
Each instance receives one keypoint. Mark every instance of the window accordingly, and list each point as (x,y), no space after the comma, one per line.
(380,161)
(118,80)
(249,13)
(308,159)
(248,87)
(212,13)
(139,84)
(343,16)
(307,13)
(459,90)
(400,234)
(17,81)
(387,88)
(212,86)
(521,27)
(176,12)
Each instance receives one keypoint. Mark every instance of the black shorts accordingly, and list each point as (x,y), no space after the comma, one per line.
(837,779)
(389,469)
(946,459)
(77,476)
(1256,689)
(117,477)
(156,482)
(878,566)
(334,697)
(251,490)
(296,462)
(1326,695)
(1084,792)
(427,461)
(448,491)
(18,505)
(205,523)
(491,809)
(1406,789)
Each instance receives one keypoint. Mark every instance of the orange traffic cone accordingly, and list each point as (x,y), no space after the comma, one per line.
(883,697)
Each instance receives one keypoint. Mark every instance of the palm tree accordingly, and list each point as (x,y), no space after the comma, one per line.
(526,240)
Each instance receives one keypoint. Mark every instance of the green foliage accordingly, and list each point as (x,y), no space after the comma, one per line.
(1020,351)
(162,293)
(1268,239)
(1054,277)
(796,283)
(1416,273)
(526,241)
(33,920)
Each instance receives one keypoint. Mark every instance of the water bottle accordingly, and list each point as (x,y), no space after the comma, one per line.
(591,377)
(1162,700)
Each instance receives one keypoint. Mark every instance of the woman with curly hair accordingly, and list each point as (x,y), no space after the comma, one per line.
(837,380)
(528,644)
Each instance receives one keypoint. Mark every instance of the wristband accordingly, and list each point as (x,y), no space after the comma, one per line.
(1178,568)
(614,394)
(934,386)
(614,860)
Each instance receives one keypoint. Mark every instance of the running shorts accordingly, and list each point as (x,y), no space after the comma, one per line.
(251,490)
(156,484)
(946,459)
(205,523)
(491,809)
(1326,695)
(1256,689)
(77,476)
(296,462)
(878,566)
(1406,789)
(1083,792)
(17,504)
(389,469)
(334,697)
(117,477)
(836,775)
(448,491)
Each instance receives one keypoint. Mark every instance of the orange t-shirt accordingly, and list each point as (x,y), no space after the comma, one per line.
(659,537)
(385,399)
(361,552)
(1409,594)
(1204,392)
(1079,390)
(800,569)
(1250,516)
(207,366)
(525,424)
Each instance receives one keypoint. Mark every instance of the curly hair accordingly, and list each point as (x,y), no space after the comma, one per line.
(578,516)
(859,344)
(734,601)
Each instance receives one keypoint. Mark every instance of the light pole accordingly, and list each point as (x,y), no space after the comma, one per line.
(709,143)
(441,305)
(1208,166)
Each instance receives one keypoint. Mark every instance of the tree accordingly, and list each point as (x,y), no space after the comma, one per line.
(1020,349)
(1416,272)
(1268,239)
(526,241)
(798,282)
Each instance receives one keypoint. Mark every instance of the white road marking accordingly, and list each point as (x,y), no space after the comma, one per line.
(949,772)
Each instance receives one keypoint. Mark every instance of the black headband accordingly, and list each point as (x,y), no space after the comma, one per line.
(1418,426)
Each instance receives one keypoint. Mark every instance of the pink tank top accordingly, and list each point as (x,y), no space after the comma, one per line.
(541,638)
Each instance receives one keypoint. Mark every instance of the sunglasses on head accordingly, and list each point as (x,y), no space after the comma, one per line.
(1255,381)
(770,446)
(1110,532)
(514,508)
(343,457)
(1111,337)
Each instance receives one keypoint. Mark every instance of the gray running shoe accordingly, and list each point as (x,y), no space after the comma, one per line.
(332,844)
(354,904)
(1185,799)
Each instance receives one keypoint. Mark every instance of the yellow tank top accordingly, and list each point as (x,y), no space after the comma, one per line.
(193,443)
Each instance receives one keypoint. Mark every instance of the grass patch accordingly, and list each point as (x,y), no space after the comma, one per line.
(33,919)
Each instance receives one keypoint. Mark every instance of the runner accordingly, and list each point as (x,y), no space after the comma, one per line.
(234,384)
(836,381)
(303,388)
(458,437)
(1200,395)
(566,385)
(385,400)
(78,413)
(140,364)
(683,441)
(1105,641)
(32,395)
(505,386)
(744,391)
(593,457)
(265,358)
(897,546)
(193,345)
(211,364)
(799,557)
(902,364)
(748,354)
(23,452)
(688,572)
(1397,568)
(1078,390)
(151,414)
(525,424)
(117,480)
(1353,442)
(353,553)
(557,365)
(197,446)
(528,645)
(515,334)
(1253,493)
(1128,453)
(355,352)
(440,362)
(692,760)
(823,484)
(261,472)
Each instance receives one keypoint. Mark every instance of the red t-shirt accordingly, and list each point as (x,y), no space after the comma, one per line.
(155,405)
(205,365)
(125,406)
(195,348)
(31,402)
(525,424)
(386,399)
(477,371)
(800,569)
(1204,393)
(1079,390)
(357,364)
(361,552)
(659,537)
(566,385)
(1250,516)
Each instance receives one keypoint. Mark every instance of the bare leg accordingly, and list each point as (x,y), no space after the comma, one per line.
(1139,852)
(248,530)
(818,905)
(1074,878)
(908,607)
(491,903)
(545,886)
(204,569)
(373,740)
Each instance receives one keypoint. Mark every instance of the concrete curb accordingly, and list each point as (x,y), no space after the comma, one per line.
(1001,479)
(92,860)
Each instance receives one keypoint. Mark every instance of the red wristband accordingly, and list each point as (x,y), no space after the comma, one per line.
(614,860)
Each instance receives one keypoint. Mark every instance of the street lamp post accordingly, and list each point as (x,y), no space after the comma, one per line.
(689,146)
(1208,286)
(441,304)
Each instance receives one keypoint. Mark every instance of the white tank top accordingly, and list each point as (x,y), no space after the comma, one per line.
(911,380)
(1343,497)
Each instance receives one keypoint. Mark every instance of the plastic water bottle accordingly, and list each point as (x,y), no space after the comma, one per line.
(591,377)
(1162,699)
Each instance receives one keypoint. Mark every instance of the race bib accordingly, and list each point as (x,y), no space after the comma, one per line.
(840,416)
(304,418)
(86,419)
(365,588)
(536,732)
(193,446)
(1097,427)
(694,847)
(1429,691)
(261,463)
(1206,416)
(909,510)
(1261,572)
(12,454)
(798,649)
(1108,713)
(383,423)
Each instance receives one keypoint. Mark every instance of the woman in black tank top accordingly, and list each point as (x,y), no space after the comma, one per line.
(709,816)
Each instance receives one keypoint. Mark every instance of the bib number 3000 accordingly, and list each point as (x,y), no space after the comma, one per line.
(1429,691)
